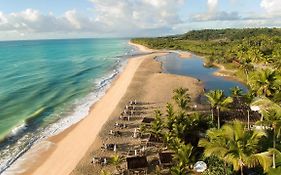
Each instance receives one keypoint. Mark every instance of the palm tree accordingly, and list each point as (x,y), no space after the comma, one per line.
(265,104)
(182,98)
(264,82)
(254,54)
(247,66)
(277,64)
(170,116)
(182,156)
(236,91)
(277,170)
(276,54)
(172,141)
(247,99)
(241,52)
(272,118)
(116,161)
(218,101)
(157,125)
(179,130)
(236,146)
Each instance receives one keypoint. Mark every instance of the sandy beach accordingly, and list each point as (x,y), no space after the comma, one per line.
(142,48)
(148,85)
(142,79)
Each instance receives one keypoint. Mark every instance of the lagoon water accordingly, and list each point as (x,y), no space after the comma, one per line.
(47,85)
(194,67)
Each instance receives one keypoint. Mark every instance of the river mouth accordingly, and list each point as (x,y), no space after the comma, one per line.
(194,67)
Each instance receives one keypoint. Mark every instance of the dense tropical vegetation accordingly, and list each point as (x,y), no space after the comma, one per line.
(241,133)
(233,148)
(225,45)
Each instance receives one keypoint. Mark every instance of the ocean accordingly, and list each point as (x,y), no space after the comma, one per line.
(48,85)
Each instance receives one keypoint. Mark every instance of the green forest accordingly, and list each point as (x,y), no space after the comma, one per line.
(226,45)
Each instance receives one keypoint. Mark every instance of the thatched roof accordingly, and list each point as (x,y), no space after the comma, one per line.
(137,162)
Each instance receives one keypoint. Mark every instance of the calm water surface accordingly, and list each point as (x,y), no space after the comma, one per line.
(194,67)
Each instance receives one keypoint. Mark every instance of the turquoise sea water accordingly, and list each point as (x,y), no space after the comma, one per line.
(47,85)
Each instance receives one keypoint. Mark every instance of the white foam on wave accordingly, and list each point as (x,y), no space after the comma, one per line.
(82,107)
(14,164)
(17,130)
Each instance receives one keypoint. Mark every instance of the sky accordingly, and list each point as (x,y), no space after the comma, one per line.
(49,19)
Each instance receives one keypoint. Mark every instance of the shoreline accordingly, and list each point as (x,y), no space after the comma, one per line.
(60,154)
(61,151)
(16,162)
(48,151)
(221,72)
(142,48)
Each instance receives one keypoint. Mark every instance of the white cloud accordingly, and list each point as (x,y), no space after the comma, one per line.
(110,18)
(272,7)
(3,19)
(216,16)
(131,18)
(212,5)
(29,23)
(71,16)
(29,15)
(131,15)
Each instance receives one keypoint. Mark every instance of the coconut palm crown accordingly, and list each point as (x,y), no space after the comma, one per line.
(218,101)
(236,146)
